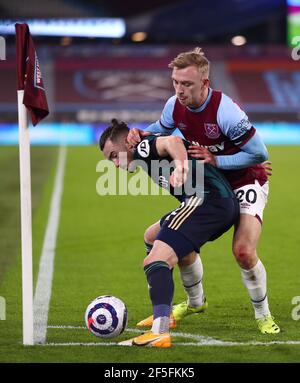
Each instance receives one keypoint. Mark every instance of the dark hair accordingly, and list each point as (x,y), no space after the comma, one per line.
(113,132)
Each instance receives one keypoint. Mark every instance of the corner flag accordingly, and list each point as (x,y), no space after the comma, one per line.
(31,95)
(29,75)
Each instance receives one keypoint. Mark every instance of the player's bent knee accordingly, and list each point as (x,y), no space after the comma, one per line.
(161,252)
(153,258)
(245,255)
(151,233)
(147,236)
(188,259)
(242,251)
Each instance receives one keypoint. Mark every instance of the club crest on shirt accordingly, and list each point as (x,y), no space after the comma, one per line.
(212,130)
(181,126)
(143,148)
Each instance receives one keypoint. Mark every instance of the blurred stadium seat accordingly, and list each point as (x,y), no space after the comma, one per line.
(100,79)
(91,80)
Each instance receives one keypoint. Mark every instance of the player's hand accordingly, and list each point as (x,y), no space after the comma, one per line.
(179,175)
(203,154)
(267,166)
(135,136)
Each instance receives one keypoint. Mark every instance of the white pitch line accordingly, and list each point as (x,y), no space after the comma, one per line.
(91,344)
(230,344)
(195,344)
(201,340)
(44,283)
(68,327)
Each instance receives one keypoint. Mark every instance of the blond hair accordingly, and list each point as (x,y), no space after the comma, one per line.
(192,58)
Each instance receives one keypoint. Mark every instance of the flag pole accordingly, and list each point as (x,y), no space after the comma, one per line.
(31,97)
(26,224)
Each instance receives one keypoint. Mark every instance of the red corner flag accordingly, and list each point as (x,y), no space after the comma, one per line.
(29,75)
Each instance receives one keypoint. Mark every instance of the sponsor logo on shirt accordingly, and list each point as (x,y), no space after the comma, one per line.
(212,130)
(239,129)
(212,148)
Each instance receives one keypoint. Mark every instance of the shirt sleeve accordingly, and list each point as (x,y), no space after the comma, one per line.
(234,124)
(146,149)
(233,121)
(166,123)
(253,152)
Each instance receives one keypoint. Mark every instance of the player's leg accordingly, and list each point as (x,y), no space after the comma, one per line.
(205,222)
(178,237)
(208,221)
(191,273)
(158,267)
(245,240)
(246,235)
(149,238)
(253,273)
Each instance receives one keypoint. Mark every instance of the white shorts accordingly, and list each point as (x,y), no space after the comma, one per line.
(253,199)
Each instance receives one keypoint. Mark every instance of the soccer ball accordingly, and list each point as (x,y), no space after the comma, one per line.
(106,316)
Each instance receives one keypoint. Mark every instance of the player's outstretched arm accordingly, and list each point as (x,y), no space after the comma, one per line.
(252,153)
(234,123)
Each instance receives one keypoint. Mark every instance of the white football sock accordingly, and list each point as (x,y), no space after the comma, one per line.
(255,280)
(160,325)
(191,277)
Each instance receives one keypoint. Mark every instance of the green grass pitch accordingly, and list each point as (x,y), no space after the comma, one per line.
(100,251)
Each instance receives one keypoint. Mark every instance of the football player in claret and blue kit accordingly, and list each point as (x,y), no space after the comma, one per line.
(222,136)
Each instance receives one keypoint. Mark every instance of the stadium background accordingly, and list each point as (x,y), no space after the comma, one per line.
(88,81)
